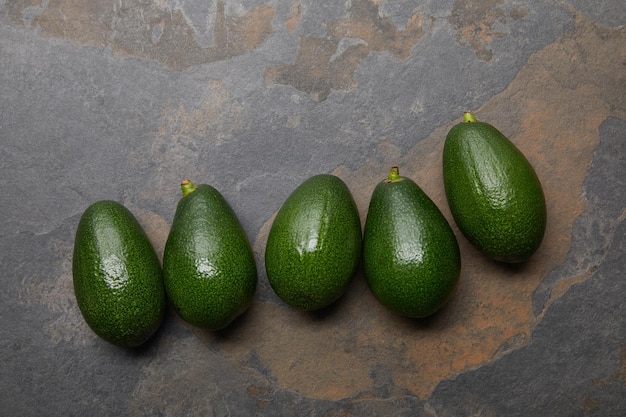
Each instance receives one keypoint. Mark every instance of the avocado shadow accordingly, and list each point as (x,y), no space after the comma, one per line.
(325,313)
(511,270)
(125,351)
(445,316)
(151,345)
(233,329)
(338,307)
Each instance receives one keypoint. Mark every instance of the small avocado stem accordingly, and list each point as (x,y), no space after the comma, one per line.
(394,174)
(468,117)
(187,187)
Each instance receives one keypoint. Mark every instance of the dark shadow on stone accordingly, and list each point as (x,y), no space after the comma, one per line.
(150,345)
(233,328)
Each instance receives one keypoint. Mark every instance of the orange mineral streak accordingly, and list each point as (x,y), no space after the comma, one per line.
(147,29)
(328,63)
(294,16)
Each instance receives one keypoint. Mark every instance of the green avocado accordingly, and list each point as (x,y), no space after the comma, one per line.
(117,275)
(411,257)
(208,265)
(493,192)
(314,245)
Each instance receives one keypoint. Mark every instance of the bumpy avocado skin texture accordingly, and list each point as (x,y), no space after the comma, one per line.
(208,265)
(411,257)
(117,275)
(314,245)
(493,192)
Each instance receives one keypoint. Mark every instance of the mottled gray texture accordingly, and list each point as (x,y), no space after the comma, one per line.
(597,227)
(80,122)
(606,12)
(573,366)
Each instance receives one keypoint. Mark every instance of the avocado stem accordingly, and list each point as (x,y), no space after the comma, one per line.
(468,117)
(187,187)
(394,174)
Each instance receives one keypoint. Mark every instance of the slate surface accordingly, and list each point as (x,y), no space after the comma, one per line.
(123,100)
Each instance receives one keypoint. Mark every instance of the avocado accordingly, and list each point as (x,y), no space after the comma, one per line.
(493,192)
(411,257)
(208,265)
(314,245)
(117,275)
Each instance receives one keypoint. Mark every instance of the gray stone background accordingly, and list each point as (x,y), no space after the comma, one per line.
(122,100)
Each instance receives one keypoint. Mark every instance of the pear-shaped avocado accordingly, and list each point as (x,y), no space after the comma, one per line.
(314,245)
(117,275)
(493,192)
(411,257)
(208,264)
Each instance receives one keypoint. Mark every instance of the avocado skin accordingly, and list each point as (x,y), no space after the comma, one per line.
(208,265)
(314,245)
(493,192)
(411,257)
(117,275)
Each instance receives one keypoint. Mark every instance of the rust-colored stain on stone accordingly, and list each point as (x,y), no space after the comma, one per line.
(590,405)
(518,12)
(294,16)
(146,30)
(478,23)
(619,374)
(258,393)
(217,114)
(326,64)
(183,127)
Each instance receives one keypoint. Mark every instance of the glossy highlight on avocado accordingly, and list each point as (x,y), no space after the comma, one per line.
(411,257)
(314,244)
(117,275)
(208,265)
(493,192)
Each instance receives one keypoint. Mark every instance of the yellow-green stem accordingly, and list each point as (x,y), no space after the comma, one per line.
(468,117)
(187,187)
(394,174)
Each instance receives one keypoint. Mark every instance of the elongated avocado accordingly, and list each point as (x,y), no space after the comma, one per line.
(411,257)
(493,192)
(117,275)
(208,264)
(314,245)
